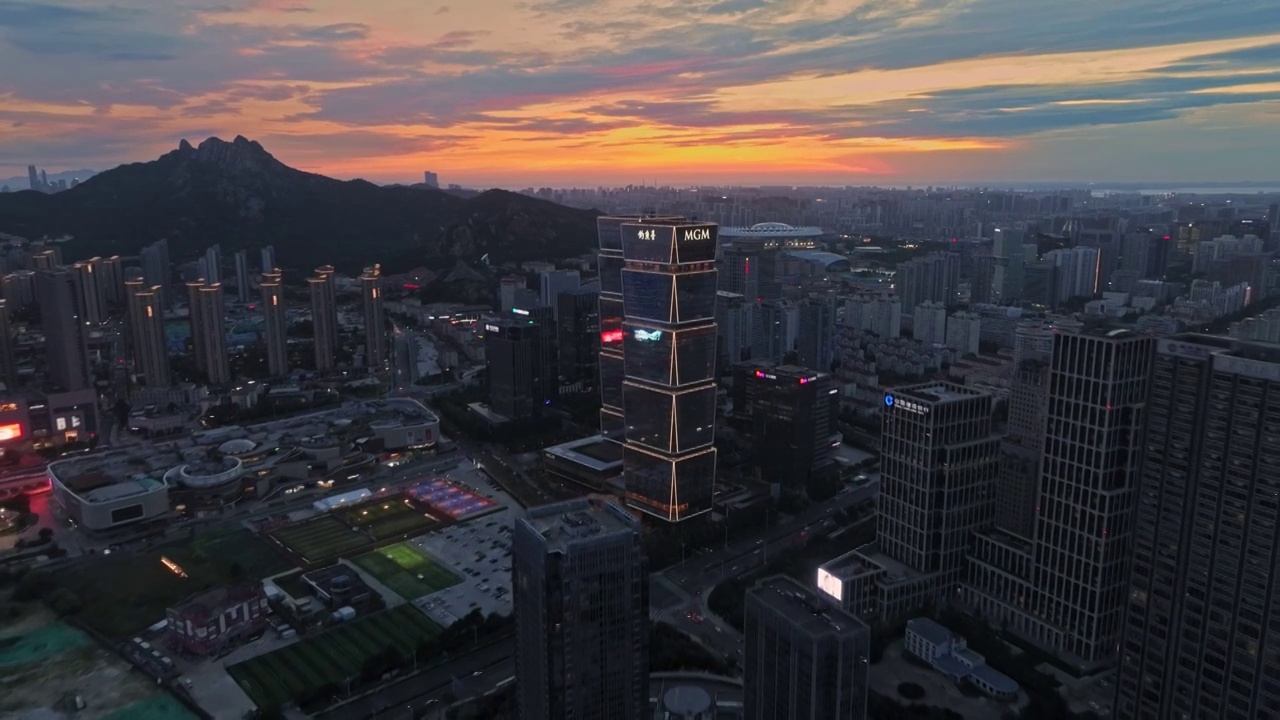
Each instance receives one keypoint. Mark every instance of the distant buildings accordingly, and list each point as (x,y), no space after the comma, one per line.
(802,657)
(580,589)
(66,339)
(430,179)
(932,278)
(551,284)
(324,316)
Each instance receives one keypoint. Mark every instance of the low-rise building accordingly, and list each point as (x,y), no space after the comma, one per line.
(210,622)
(950,655)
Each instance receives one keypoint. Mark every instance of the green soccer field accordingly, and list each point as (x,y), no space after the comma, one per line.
(321,539)
(296,672)
(407,571)
(385,519)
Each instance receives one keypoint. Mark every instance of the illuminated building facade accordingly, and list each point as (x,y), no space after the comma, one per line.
(611,262)
(375,330)
(275,323)
(146,319)
(669,350)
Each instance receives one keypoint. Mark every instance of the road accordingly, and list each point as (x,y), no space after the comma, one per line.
(687,585)
(419,692)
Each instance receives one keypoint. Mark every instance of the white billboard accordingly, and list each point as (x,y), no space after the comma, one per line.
(830,585)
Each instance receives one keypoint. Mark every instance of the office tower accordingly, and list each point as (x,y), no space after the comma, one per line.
(554,282)
(1077,272)
(324,316)
(430,179)
(89,293)
(929,323)
(546,369)
(1008,260)
(44,260)
(375,326)
(208,330)
(242,276)
(939,461)
(213,264)
(1020,452)
(733,330)
(815,337)
(33,179)
(804,658)
(1040,283)
(964,333)
(156,269)
(749,257)
(20,289)
(736,265)
(268,258)
(275,324)
(1202,598)
(578,330)
(932,278)
(112,280)
(510,290)
(982,280)
(791,414)
(65,340)
(146,323)
(8,365)
(669,392)
(610,263)
(512,354)
(580,587)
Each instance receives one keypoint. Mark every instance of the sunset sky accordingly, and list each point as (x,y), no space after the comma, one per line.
(563,92)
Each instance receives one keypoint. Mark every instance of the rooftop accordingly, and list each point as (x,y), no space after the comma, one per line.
(938,392)
(564,523)
(773,229)
(850,565)
(802,605)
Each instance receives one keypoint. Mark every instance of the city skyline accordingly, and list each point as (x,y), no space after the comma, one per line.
(588,92)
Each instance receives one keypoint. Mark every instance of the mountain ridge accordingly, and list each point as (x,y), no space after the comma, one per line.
(237,194)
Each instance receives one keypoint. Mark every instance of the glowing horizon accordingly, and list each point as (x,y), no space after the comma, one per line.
(600,92)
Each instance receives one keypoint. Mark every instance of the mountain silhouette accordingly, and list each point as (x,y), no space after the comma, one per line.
(238,195)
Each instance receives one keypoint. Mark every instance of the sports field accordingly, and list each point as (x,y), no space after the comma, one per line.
(323,538)
(296,672)
(406,570)
(384,519)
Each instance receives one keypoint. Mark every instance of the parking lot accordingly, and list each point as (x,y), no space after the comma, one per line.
(480,552)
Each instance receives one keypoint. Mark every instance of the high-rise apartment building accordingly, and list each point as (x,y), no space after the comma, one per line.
(208,330)
(324,316)
(146,323)
(112,280)
(1007,267)
(610,263)
(267,258)
(156,269)
(580,587)
(20,289)
(929,323)
(45,259)
(1077,274)
(932,278)
(554,282)
(1202,598)
(375,325)
(669,391)
(89,293)
(816,335)
(242,276)
(275,324)
(776,328)
(213,264)
(1065,589)
(803,658)
(964,333)
(791,415)
(8,364)
(733,328)
(939,459)
(65,338)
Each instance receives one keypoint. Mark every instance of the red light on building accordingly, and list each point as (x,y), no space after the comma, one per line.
(953,239)
(412,286)
(1166,237)
(10,431)
(611,336)
(251,307)
(759,373)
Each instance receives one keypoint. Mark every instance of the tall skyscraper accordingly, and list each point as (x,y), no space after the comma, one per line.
(208,330)
(1066,588)
(268,258)
(939,461)
(1007,270)
(65,340)
(803,657)
(578,329)
(89,292)
(112,280)
(580,587)
(213,264)
(156,268)
(554,282)
(932,278)
(20,289)
(33,179)
(1202,599)
(242,276)
(324,316)
(375,326)
(45,260)
(146,323)
(275,325)
(609,232)
(734,330)
(669,390)
(816,336)
(1023,447)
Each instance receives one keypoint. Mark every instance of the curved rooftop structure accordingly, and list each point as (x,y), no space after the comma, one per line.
(771,229)
(238,446)
(207,473)
(829,260)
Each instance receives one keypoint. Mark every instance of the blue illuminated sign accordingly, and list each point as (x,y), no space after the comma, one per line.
(888,401)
